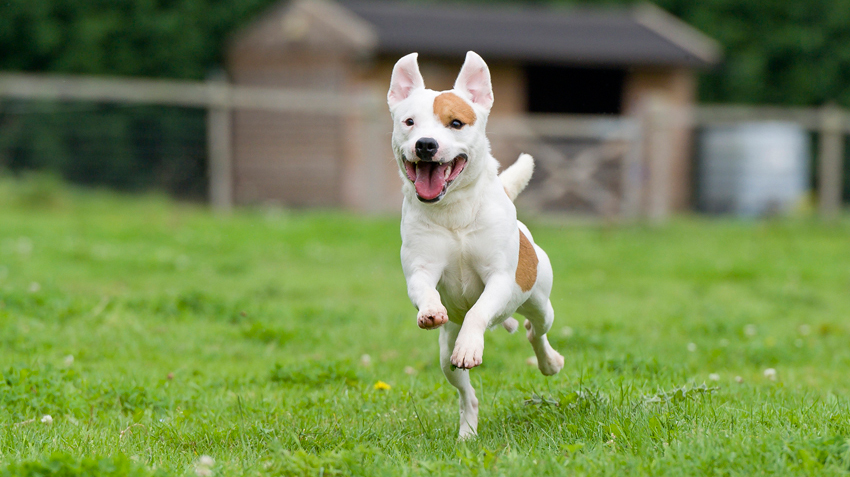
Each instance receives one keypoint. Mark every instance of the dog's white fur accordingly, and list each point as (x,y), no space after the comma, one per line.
(460,253)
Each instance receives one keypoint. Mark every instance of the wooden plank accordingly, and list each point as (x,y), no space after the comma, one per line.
(563,126)
(632,178)
(659,152)
(220,153)
(831,156)
(809,118)
(172,93)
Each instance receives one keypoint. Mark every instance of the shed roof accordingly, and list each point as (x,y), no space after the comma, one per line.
(643,35)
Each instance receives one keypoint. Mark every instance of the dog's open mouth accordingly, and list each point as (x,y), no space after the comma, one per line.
(431,179)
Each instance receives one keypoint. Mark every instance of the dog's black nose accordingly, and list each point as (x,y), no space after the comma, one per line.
(426,148)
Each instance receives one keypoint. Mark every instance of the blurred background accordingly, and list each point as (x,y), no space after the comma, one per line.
(632,110)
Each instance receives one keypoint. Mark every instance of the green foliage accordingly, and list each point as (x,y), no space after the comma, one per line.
(63,465)
(681,394)
(314,374)
(794,53)
(43,389)
(132,148)
(174,38)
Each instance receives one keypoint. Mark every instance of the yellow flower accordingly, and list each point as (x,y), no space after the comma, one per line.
(382,386)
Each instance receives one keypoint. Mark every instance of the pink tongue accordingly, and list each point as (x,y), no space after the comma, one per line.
(430,179)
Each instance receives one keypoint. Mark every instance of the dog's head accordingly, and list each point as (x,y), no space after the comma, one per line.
(438,137)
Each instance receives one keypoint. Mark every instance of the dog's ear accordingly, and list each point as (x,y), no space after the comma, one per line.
(474,80)
(406,78)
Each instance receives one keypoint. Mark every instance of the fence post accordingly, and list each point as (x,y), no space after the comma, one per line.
(658,135)
(632,169)
(219,145)
(830,157)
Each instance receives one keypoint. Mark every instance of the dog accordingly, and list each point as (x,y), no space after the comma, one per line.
(469,263)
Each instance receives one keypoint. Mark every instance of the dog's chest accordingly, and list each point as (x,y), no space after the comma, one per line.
(461,284)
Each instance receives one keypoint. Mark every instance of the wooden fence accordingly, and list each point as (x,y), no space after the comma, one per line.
(218,98)
(640,145)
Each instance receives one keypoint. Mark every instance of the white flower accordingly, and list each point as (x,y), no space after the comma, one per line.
(203,468)
(365,360)
(567,332)
(739,379)
(531,361)
(47,419)
(68,360)
(750,330)
(804,330)
(714,377)
(34,287)
(770,374)
(410,370)
(692,347)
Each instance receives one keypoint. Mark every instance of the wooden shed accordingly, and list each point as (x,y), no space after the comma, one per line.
(542,60)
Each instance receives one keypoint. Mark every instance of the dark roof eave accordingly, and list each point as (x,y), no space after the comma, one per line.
(642,36)
(541,57)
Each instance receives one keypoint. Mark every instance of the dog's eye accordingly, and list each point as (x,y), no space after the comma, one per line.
(456,124)
(409,121)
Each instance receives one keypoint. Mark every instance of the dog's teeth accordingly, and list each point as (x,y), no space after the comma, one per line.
(448,172)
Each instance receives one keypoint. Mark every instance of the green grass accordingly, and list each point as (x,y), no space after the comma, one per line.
(154,333)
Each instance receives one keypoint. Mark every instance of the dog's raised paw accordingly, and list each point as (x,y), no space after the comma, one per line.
(432,317)
(468,352)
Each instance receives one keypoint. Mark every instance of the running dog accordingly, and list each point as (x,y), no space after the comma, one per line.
(469,263)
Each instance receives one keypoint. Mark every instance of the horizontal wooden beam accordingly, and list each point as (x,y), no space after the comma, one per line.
(212,94)
(809,118)
(565,126)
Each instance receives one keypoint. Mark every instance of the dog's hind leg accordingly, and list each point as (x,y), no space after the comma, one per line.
(539,316)
(459,378)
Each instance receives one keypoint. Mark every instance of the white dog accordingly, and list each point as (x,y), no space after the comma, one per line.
(468,262)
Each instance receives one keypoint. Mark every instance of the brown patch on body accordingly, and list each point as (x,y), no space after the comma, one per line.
(449,106)
(526,268)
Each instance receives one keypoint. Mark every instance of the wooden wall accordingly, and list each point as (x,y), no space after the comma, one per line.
(290,159)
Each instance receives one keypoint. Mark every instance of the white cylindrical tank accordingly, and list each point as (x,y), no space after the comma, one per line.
(753,169)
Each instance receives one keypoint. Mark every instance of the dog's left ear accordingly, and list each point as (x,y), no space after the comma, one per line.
(474,80)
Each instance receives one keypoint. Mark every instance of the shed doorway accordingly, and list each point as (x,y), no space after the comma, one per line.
(573,90)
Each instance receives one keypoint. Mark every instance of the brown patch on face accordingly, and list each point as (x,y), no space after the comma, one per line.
(449,106)
(526,268)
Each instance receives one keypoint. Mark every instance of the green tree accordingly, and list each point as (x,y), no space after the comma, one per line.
(159,38)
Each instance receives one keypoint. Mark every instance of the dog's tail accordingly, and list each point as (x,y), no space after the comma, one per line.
(516,177)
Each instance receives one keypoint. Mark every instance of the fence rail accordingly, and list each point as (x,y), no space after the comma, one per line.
(210,94)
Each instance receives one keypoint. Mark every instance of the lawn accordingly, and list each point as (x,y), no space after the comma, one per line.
(155,333)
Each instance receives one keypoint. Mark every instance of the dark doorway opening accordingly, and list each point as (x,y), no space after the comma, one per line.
(571,90)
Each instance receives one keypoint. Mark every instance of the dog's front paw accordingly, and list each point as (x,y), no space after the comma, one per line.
(432,317)
(468,351)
